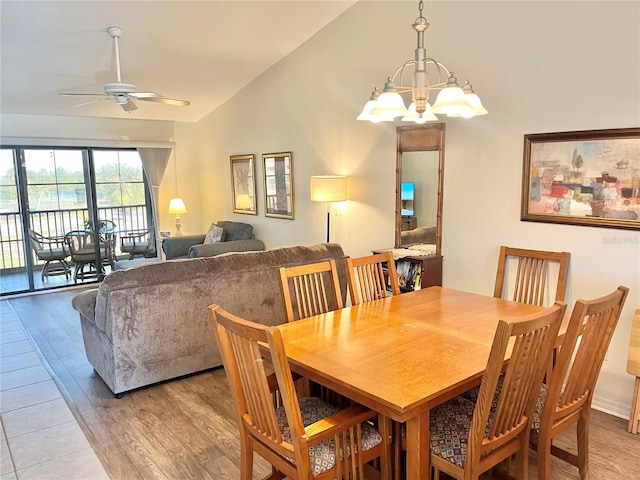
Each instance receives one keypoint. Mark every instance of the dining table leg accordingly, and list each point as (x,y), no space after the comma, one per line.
(418,465)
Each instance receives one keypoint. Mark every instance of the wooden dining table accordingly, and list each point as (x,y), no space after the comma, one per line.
(402,355)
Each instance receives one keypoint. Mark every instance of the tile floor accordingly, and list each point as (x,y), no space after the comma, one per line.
(40,437)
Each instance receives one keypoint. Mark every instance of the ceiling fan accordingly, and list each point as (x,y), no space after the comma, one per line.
(123,93)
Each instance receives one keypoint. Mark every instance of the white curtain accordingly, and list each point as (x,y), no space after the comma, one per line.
(154,162)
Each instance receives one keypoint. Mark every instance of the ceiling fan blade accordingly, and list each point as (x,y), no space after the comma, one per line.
(168,101)
(83,94)
(129,106)
(85,103)
(143,95)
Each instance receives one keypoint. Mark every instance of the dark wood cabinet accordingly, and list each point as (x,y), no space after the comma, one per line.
(409,222)
(427,267)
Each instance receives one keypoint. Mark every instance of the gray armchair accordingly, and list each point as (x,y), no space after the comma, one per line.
(237,237)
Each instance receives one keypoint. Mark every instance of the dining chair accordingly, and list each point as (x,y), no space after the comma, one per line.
(84,254)
(531,275)
(54,253)
(367,277)
(138,242)
(565,400)
(633,368)
(302,438)
(310,289)
(367,280)
(492,435)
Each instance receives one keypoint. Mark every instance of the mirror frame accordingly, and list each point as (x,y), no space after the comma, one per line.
(420,138)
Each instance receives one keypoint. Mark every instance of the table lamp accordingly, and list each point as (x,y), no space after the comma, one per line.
(177,207)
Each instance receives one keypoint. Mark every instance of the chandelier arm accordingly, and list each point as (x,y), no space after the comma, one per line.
(440,68)
(400,71)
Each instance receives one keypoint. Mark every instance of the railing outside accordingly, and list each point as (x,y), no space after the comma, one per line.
(52,223)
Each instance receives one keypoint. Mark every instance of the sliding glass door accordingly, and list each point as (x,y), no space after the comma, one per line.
(46,193)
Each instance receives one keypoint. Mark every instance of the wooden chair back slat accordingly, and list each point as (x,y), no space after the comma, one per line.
(579,362)
(532,274)
(573,379)
(533,339)
(243,346)
(367,278)
(311,289)
(243,361)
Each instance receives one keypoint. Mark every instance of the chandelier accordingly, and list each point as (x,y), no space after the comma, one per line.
(452,100)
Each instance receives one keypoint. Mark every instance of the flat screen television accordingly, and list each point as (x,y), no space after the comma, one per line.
(407,197)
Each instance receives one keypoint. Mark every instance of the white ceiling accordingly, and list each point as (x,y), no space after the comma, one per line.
(201,51)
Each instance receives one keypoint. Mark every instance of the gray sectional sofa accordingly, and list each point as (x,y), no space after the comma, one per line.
(237,237)
(150,323)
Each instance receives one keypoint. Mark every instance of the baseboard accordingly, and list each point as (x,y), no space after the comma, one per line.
(612,408)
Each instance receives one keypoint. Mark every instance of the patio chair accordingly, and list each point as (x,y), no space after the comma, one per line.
(53,252)
(85,255)
(138,242)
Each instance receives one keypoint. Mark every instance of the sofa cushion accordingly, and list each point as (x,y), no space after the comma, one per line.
(214,235)
(235,230)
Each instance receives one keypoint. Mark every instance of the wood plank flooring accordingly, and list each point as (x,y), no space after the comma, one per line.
(185,428)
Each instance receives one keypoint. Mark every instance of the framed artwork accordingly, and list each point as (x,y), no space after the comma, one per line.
(243,184)
(583,178)
(278,185)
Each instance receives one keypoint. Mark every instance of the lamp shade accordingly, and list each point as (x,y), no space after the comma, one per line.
(328,188)
(177,206)
(243,202)
(413,116)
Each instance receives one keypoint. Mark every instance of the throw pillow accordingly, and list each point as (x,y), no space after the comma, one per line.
(214,235)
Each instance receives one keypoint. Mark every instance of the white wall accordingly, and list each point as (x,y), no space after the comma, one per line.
(538,66)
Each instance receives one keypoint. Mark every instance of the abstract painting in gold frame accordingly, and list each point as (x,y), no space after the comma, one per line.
(583,178)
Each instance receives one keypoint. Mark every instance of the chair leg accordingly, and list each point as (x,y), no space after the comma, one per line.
(246,458)
(583,444)
(634,417)
(397,450)
(544,457)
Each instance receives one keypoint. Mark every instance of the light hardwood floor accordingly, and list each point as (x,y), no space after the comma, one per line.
(186,429)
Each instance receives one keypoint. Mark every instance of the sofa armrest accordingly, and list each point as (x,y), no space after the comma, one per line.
(177,247)
(213,249)
(85,304)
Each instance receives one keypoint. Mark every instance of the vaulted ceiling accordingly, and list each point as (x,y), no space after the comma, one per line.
(201,51)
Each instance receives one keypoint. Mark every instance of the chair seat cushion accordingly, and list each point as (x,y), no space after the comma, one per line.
(134,247)
(323,456)
(537,413)
(472,396)
(450,424)
(53,254)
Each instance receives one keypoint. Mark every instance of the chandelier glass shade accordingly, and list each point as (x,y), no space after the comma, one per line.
(452,100)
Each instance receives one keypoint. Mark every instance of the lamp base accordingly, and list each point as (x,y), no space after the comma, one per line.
(178,225)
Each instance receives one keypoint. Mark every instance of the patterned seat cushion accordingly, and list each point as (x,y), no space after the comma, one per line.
(450,424)
(537,413)
(472,396)
(323,455)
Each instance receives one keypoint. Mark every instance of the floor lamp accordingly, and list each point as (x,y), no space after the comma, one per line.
(329,189)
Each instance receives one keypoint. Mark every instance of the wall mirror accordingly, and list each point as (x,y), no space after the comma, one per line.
(419,185)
